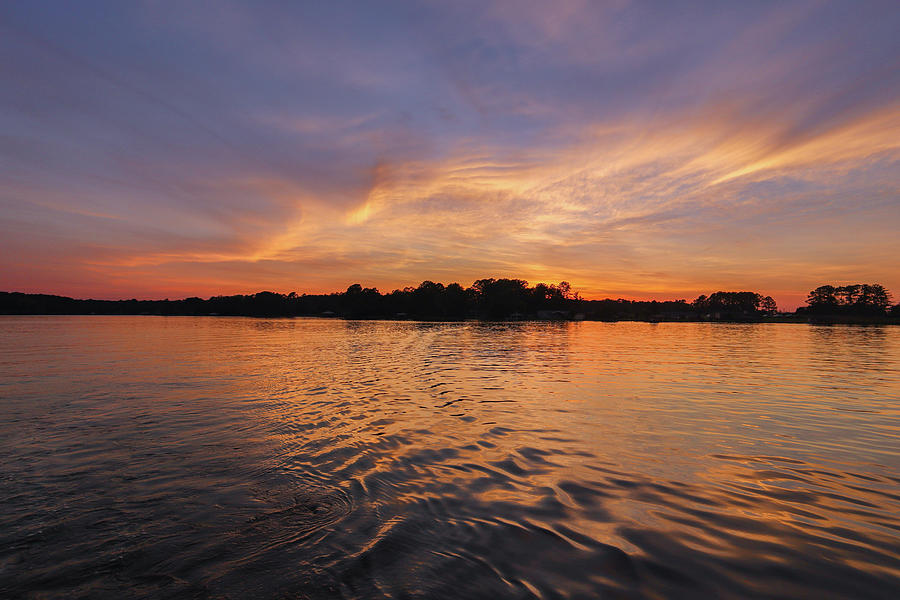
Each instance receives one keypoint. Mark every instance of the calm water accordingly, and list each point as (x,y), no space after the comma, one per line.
(242,458)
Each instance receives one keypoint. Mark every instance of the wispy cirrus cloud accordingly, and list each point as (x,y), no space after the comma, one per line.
(633,149)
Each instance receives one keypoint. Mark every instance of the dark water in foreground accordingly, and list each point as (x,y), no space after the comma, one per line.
(239,458)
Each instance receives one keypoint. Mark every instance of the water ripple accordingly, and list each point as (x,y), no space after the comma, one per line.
(240,458)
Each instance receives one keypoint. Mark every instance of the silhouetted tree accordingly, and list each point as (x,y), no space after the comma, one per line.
(486,298)
(734,304)
(861,299)
(822,296)
(457,301)
(359,302)
(500,298)
(428,299)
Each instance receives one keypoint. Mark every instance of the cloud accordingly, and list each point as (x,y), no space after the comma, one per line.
(629,148)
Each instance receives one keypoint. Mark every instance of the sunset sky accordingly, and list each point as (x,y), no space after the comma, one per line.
(636,149)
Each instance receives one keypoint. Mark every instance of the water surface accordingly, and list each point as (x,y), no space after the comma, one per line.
(180,457)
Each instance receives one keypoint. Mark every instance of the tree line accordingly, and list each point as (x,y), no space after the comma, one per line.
(859,299)
(485,299)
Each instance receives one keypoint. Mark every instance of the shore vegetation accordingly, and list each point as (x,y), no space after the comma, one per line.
(487,299)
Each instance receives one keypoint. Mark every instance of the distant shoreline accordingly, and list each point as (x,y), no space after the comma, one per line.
(488,300)
(786,320)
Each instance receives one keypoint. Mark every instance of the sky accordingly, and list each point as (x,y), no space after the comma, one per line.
(635,149)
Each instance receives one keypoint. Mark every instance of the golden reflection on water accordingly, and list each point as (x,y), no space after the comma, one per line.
(367,459)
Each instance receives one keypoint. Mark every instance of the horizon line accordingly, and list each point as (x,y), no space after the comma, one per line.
(575,293)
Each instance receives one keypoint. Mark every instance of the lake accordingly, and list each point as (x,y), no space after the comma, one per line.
(212,457)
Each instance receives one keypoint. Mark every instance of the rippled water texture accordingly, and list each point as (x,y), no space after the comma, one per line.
(244,458)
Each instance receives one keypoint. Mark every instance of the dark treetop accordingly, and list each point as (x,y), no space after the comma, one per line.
(484,299)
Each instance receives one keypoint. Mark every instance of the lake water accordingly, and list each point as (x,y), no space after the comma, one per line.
(179,457)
